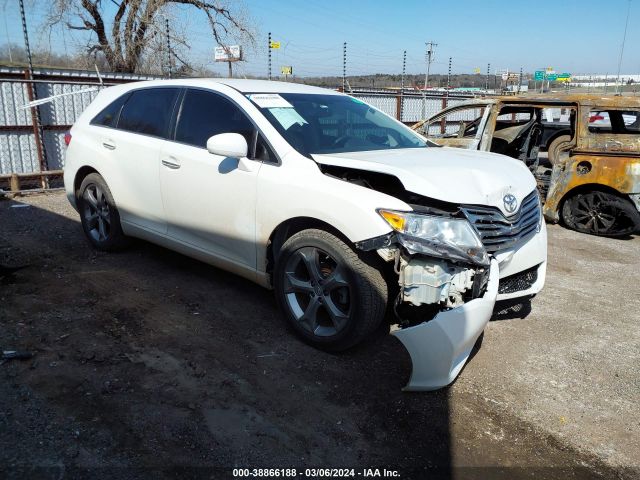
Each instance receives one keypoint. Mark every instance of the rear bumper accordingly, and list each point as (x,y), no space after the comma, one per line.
(69,177)
(440,347)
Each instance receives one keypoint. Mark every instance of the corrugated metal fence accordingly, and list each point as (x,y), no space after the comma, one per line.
(32,144)
(29,147)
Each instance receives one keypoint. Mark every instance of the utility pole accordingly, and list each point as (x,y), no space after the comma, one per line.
(449,77)
(269,47)
(486,83)
(520,80)
(35,111)
(166,22)
(404,67)
(344,66)
(624,38)
(429,57)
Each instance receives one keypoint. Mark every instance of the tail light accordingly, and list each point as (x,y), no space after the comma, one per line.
(67,138)
(594,118)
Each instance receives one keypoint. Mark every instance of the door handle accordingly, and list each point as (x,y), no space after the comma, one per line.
(109,144)
(171,162)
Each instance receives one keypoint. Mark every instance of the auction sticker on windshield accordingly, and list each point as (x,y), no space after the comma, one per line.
(269,100)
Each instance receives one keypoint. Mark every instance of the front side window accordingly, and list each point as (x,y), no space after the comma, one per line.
(317,123)
(457,123)
(148,111)
(204,114)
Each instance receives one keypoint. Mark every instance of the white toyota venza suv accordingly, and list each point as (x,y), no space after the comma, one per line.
(351,217)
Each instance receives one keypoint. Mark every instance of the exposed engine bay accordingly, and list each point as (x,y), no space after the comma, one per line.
(427,285)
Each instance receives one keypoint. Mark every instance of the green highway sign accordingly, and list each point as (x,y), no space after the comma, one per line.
(564,75)
(552,77)
(538,76)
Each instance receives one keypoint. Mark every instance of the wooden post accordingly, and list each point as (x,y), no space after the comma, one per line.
(15,183)
(443,122)
(399,107)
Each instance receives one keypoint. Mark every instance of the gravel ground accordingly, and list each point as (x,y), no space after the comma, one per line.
(152,365)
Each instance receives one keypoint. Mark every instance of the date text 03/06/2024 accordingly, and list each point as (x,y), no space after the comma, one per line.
(315,472)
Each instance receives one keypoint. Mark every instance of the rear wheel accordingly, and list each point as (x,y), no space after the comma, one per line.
(99,215)
(600,213)
(330,296)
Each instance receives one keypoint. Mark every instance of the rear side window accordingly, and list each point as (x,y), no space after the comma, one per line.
(109,116)
(204,114)
(148,111)
(614,121)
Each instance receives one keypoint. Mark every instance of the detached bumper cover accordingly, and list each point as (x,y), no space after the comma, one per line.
(440,347)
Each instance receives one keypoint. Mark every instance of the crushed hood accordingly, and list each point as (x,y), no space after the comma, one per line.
(448,174)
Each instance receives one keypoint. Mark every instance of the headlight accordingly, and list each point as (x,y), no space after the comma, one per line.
(438,236)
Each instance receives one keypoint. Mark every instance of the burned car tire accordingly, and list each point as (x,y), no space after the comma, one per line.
(330,296)
(600,213)
(556,147)
(99,215)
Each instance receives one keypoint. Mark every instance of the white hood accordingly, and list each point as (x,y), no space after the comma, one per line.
(448,174)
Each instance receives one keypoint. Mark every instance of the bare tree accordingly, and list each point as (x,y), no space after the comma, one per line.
(134,25)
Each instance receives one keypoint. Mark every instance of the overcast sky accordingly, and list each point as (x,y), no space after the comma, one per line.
(576,36)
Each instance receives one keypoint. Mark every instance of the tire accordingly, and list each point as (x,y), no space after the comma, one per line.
(556,147)
(329,296)
(99,216)
(600,213)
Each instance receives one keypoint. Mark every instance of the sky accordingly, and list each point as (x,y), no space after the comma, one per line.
(575,36)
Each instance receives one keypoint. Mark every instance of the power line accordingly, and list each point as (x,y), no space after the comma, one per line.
(624,38)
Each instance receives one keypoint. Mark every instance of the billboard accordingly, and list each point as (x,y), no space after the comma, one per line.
(231,53)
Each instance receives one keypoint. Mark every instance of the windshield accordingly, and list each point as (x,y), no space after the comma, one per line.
(313,123)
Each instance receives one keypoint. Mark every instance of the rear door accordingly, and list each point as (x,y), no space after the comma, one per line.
(209,202)
(135,146)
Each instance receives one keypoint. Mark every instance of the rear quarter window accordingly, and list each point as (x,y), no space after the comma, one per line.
(108,117)
(148,111)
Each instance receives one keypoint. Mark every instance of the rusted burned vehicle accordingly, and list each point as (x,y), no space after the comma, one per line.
(584,151)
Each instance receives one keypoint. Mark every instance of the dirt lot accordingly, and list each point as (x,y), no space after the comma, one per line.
(152,365)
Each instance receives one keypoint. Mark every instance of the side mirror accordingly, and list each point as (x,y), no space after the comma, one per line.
(231,145)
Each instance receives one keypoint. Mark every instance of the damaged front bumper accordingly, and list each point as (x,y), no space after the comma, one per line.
(440,347)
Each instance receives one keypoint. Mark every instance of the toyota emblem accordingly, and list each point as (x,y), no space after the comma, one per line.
(510,203)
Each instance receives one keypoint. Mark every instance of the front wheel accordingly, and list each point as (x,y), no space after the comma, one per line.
(330,296)
(99,215)
(600,213)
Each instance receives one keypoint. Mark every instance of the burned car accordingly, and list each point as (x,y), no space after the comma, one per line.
(584,151)
(347,214)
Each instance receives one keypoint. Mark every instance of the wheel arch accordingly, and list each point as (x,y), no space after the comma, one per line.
(81,174)
(290,227)
(589,187)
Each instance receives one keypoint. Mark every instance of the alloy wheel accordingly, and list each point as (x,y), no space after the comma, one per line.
(599,213)
(317,291)
(97,214)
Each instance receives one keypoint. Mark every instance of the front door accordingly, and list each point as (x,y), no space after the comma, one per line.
(209,202)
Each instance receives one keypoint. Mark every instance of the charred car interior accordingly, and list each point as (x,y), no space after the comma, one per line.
(583,150)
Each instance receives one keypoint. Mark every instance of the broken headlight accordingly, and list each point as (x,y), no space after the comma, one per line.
(443,237)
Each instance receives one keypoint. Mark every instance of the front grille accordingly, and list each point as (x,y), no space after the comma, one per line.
(498,232)
(519,281)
